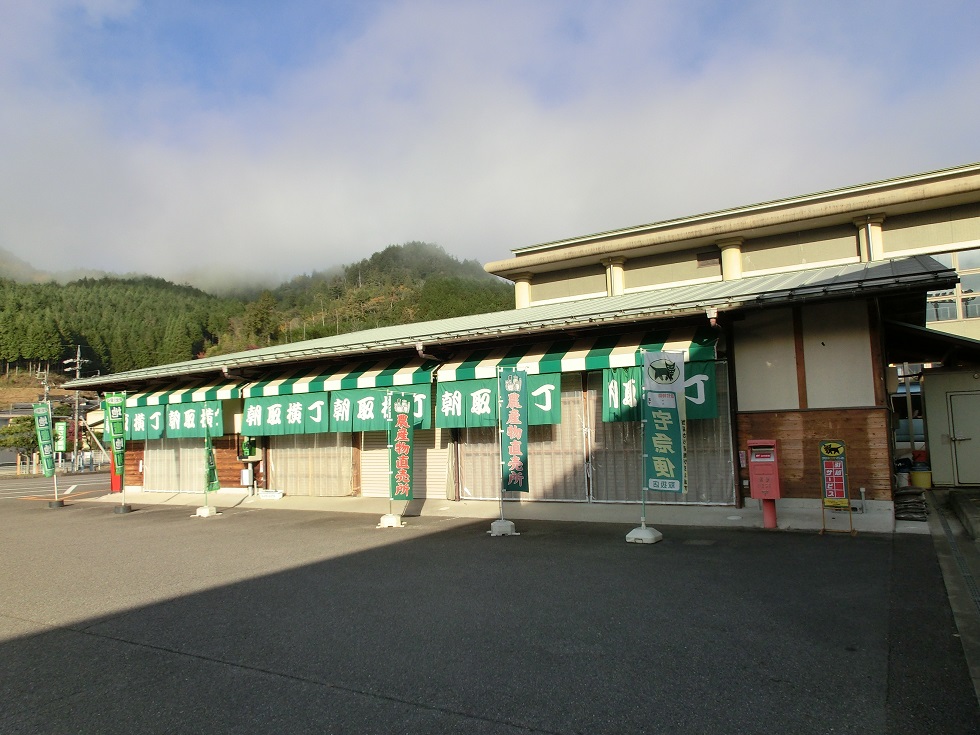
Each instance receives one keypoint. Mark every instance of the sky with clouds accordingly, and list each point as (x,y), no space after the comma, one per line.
(173,137)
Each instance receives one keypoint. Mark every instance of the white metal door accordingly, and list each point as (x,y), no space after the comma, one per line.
(964,417)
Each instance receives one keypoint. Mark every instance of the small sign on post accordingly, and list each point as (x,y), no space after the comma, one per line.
(833,470)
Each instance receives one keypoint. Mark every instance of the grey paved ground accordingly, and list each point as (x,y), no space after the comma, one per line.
(261,621)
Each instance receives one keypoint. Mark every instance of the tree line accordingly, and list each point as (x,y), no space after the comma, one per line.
(135,322)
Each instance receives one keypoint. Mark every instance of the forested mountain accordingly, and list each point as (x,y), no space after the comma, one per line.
(121,324)
(128,323)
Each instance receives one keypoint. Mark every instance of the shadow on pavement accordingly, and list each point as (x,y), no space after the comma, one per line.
(261,621)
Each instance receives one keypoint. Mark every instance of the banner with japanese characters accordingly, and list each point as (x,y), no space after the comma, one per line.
(622,388)
(544,399)
(621,393)
(211,482)
(700,389)
(193,420)
(664,422)
(513,429)
(145,422)
(473,403)
(401,436)
(45,440)
(664,451)
(335,411)
(61,436)
(370,409)
(467,404)
(115,428)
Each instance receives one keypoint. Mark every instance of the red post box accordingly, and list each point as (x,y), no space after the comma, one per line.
(764,477)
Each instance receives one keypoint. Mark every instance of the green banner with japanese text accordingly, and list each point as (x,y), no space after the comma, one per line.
(45,439)
(622,388)
(115,428)
(145,422)
(664,422)
(191,420)
(513,389)
(401,437)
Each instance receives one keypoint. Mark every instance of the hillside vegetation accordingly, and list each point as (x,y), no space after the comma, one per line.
(133,322)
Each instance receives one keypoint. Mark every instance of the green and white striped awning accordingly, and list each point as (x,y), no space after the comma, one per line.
(213,390)
(571,355)
(366,374)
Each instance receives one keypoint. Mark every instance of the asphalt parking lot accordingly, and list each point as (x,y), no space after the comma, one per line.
(287,621)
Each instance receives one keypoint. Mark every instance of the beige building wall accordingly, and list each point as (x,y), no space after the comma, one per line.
(765,361)
(794,250)
(837,355)
(566,285)
(932,231)
(672,269)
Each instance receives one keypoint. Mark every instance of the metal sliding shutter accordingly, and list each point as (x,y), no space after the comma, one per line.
(374,464)
(311,464)
(556,455)
(617,454)
(479,452)
(431,462)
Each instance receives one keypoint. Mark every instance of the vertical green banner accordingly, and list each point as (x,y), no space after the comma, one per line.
(401,435)
(115,423)
(210,466)
(45,442)
(544,397)
(513,429)
(664,424)
(664,456)
(61,436)
(621,393)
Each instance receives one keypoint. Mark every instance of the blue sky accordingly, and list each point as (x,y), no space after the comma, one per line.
(175,137)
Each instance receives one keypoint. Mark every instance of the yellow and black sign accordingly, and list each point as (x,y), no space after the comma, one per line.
(833,465)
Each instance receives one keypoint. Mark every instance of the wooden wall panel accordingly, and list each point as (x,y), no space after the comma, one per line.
(226,460)
(864,431)
(134,456)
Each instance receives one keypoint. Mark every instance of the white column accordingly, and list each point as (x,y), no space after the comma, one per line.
(615,276)
(870,243)
(731,258)
(522,290)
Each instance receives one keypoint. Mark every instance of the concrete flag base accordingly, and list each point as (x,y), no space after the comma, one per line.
(644,535)
(501,527)
(390,520)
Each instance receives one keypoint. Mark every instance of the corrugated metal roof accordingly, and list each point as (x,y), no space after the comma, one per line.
(820,283)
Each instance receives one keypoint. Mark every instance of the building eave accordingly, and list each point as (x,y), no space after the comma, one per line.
(945,187)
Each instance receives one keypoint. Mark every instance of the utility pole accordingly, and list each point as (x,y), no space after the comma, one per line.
(77,362)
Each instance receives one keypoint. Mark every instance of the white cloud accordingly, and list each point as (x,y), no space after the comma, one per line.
(480,126)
